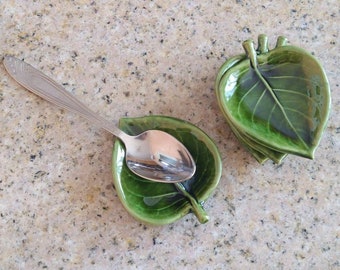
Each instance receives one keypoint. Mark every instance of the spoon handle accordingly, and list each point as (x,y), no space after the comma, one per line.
(43,86)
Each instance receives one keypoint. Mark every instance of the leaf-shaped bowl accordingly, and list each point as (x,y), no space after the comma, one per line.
(162,203)
(276,101)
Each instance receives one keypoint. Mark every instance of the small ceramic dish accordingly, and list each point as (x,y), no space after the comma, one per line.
(162,203)
(277,101)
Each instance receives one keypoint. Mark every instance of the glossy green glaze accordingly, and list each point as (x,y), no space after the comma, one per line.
(162,203)
(276,101)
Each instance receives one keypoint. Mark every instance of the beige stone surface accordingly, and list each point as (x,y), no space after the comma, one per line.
(58,209)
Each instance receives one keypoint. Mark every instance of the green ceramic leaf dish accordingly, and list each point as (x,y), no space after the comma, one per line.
(277,102)
(162,203)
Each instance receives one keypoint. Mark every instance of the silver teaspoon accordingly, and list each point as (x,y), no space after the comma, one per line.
(153,154)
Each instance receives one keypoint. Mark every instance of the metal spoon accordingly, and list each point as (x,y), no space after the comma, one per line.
(153,154)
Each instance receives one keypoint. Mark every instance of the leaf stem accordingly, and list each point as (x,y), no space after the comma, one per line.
(248,46)
(197,208)
(281,41)
(263,44)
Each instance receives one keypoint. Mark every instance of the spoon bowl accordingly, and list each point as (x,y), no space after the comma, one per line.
(154,155)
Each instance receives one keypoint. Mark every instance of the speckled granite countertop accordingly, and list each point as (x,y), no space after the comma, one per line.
(58,209)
